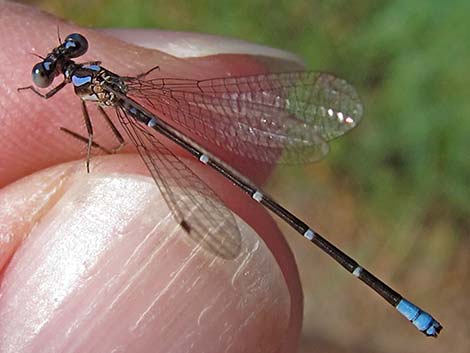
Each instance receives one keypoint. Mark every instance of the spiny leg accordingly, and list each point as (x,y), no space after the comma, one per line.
(114,129)
(142,75)
(58,35)
(85,140)
(89,128)
(89,63)
(94,144)
(46,95)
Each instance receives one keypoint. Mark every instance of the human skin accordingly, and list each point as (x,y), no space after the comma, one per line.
(94,261)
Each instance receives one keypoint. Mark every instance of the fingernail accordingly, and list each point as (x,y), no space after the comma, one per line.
(107,269)
(189,44)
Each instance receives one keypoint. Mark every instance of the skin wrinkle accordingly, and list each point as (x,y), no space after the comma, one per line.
(134,254)
(135,275)
(244,263)
(41,199)
(130,285)
(174,278)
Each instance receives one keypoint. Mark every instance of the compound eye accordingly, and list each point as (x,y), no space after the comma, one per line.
(76,45)
(42,76)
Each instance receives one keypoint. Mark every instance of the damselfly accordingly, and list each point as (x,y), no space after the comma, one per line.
(267,118)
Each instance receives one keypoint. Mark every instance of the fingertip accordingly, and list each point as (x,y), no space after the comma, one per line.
(106,267)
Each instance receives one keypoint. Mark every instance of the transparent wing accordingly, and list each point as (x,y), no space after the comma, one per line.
(192,202)
(260,116)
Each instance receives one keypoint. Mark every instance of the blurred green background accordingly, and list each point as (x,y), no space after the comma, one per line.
(395,192)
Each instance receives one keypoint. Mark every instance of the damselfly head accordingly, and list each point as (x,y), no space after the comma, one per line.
(43,73)
(75,45)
